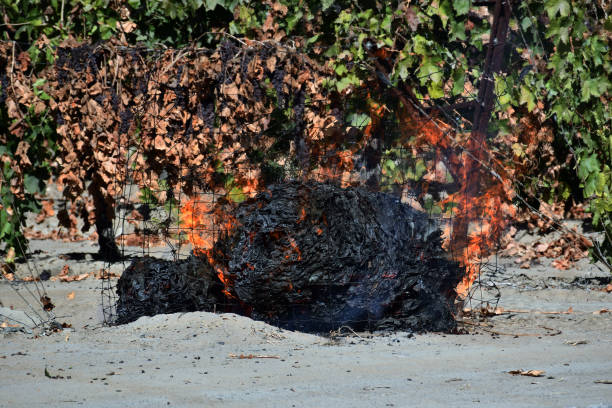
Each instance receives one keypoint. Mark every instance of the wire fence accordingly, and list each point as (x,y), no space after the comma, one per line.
(176,209)
(186,220)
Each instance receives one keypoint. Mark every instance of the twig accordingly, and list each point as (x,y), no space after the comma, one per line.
(14,320)
(556,332)
(62,15)
(337,333)
(250,356)
(180,55)
(20,24)
(475,324)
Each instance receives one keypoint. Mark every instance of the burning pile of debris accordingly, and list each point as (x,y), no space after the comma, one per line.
(310,257)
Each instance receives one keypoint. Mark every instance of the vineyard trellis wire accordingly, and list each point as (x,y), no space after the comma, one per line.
(409,190)
(161,189)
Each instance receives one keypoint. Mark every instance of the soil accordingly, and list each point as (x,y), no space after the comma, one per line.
(206,359)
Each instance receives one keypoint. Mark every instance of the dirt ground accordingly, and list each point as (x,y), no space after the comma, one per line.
(547,320)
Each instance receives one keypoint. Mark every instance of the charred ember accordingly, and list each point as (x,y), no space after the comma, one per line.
(314,257)
(311,257)
(150,286)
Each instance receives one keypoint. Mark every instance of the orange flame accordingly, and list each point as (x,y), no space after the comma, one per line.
(197,222)
(481,213)
(294,249)
(476,214)
(198,219)
(480,209)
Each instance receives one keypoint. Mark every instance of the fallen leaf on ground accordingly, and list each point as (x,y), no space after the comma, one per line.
(102,274)
(9,276)
(525,265)
(608,288)
(251,356)
(601,311)
(562,264)
(46,211)
(7,272)
(70,296)
(65,270)
(73,278)
(529,373)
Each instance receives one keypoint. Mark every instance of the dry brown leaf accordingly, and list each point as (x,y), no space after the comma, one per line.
(601,311)
(126,26)
(13,111)
(102,274)
(72,278)
(81,276)
(528,373)
(70,296)
(269,23)
(7,272)
(562,264)
(22,153)
(65,271)
(46,211)
(280,8)
(586,242)
(159,143)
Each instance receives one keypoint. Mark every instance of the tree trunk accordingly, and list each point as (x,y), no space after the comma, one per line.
(108,250)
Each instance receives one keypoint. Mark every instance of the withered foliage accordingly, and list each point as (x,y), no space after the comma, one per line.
(565,250)
(16,92)
(192,114)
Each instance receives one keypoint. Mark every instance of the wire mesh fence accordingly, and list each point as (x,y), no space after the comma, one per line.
(203,134)
(177,211)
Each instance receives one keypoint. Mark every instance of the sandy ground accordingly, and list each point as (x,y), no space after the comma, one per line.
(194,359)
